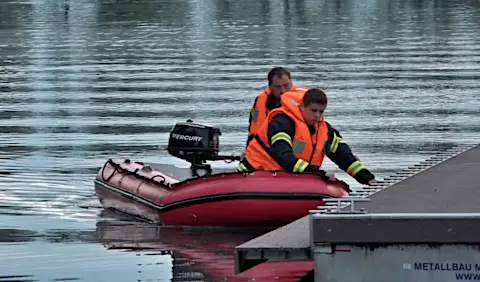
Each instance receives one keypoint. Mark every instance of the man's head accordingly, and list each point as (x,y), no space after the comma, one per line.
(313,105)
(279,81)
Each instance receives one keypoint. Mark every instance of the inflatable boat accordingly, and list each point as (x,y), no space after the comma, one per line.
(170,195)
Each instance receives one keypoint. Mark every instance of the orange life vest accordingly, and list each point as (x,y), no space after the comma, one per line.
(306,147)
(260,111)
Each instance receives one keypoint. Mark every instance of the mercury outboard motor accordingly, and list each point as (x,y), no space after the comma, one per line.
(196,143)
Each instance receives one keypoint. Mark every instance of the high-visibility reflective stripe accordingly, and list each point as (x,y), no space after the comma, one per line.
(300,166)
(354,168)
(242,167)
(336,140)
(300,89)
(293,102)
(281,136)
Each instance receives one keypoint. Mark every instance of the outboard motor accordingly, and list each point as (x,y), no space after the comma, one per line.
(196,143)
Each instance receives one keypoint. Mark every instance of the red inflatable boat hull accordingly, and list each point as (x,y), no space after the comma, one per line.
(223,199)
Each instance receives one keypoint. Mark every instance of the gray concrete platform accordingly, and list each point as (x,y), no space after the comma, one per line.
(447,182)
(452,186)
(397,263)
(395,228)
(427,247)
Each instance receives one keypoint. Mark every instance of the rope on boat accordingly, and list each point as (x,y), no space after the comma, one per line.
(118,168)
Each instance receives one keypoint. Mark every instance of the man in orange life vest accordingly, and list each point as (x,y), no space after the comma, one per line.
(279,81)
(296,138)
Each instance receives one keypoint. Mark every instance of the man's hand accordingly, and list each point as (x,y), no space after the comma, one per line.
(372,182)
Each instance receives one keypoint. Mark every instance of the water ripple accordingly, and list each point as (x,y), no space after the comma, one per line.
(83,81)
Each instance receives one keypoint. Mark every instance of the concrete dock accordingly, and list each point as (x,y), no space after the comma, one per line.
(418,225)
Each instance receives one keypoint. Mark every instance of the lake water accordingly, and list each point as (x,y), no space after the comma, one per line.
(82,81)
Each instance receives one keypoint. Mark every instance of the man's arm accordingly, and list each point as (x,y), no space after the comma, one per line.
(250,118)
(340,153)
(281,132)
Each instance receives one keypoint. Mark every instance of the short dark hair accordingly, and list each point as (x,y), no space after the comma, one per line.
(314,96)
(277,71)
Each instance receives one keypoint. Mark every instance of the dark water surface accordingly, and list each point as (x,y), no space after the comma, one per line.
(109,79)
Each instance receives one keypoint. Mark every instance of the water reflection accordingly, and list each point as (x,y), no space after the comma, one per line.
(133,248)
(208,251)
(17,235)
(106,78)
